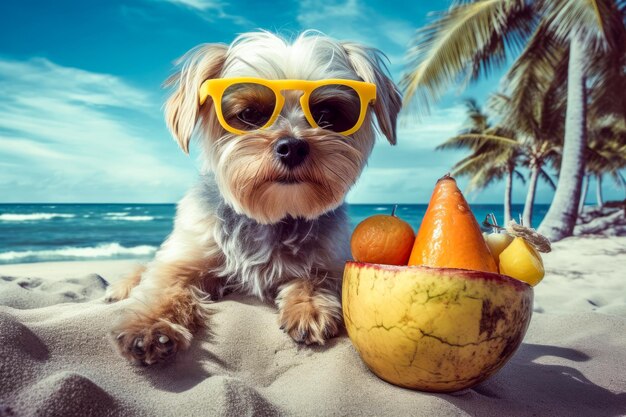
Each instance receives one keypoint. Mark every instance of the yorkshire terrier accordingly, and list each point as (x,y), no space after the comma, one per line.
(285,129)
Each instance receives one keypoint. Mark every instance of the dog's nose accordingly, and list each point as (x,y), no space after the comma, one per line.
(291,151)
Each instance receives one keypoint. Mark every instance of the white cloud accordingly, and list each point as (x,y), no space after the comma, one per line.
(41,78)
(353,20)
(313,12)
(28,149)
(74,135)
(198,4)
(211,10)
(429,131)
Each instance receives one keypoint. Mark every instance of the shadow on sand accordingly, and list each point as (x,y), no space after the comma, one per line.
(544,389)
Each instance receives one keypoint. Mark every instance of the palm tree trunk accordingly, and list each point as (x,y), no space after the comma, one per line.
(561,217)
(527,217)
(507,196)
(599,199)
(583,195)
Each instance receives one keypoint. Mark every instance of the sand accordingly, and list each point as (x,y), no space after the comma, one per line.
(56,360)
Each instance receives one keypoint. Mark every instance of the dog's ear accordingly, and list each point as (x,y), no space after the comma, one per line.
(183,107)
(368,64)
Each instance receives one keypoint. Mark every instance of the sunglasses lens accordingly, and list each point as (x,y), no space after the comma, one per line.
(335,107)
(248,106)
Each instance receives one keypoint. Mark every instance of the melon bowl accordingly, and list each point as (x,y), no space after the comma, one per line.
(434,329)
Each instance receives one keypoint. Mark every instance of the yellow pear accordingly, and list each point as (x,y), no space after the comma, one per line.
(497,242)
(521,261)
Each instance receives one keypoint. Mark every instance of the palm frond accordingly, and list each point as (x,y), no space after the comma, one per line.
(553,103)
(478,138)
(530,79)
(498,103)
(606,150)
(485,176)
(470,164)
(546,177)
(458,41)
(494,149)
(593,20)
(607,78)
(522,23)
(472,106)
(618,178)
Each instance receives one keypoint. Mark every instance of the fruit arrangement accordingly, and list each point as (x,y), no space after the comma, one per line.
(450,237)
(447,309)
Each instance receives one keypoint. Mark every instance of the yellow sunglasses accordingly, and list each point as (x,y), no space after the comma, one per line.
(246,104)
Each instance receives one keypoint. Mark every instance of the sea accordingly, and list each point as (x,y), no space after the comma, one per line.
(73,232)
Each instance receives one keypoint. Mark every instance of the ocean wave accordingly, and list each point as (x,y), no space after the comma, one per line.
(105,250)
(131,218)
(17,217)
(381,208)
(117,213)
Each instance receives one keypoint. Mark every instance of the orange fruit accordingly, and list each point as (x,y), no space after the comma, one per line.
(382,239)
(449,236)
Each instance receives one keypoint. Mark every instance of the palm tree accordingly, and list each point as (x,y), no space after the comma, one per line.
(494,154)
(605,155)
(599,198)
(583,193)
(474,36)
(607,152)
(535,161)
(528,140)
(533,107)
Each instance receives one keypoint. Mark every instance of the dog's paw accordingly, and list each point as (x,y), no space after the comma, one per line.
(116,292)
(148,343)
(120,290)
(309,318)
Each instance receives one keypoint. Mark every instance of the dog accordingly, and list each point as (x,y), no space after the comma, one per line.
(267,217)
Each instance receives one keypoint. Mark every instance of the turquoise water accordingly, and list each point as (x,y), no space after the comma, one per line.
(62,232)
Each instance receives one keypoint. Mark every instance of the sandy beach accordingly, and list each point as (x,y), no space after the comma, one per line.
(57,360)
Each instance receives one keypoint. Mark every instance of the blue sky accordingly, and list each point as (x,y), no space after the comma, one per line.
(81,103)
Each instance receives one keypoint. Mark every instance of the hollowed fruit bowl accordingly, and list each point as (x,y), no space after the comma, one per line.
(434,329)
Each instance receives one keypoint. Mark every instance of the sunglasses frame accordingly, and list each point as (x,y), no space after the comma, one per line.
(216,87)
